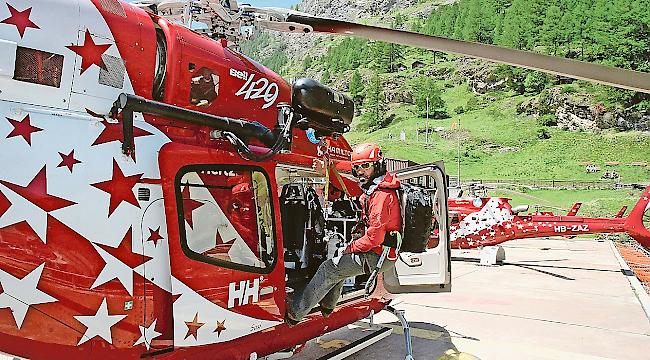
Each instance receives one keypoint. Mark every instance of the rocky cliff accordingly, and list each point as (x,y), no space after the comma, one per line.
(352,10)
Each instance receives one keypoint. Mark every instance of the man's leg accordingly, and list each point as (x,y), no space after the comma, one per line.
(332,297)
(330,275)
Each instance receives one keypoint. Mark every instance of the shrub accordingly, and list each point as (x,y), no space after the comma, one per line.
(536,81)
(569,89)
(547,120)
(545,99)
(543,134)
(472,104)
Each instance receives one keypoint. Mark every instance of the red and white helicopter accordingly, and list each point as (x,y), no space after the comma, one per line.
(142,203)
(488,221)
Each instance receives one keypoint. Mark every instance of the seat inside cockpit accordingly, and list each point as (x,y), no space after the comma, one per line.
(314,227)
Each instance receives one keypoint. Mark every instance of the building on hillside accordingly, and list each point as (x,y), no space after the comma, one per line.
(417,64)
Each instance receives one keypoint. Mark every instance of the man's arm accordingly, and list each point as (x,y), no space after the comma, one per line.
(379,213)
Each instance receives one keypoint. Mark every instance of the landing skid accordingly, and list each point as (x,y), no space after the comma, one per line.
(358,345)
(345,349)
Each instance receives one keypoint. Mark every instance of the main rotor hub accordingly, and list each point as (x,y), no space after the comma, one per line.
(224,19)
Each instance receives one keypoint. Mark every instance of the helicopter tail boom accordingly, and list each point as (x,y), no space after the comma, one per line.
(634,224)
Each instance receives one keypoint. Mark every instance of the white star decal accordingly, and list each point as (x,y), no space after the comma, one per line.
(99,324)
(519,226)
(483,237)
(148,334)
(23,210)
(508,226)
(20,294)
(114,269)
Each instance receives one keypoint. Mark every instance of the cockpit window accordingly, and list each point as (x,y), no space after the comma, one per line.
(204,88)
(38,67)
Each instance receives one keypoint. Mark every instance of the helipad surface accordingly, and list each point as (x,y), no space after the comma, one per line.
(552,299)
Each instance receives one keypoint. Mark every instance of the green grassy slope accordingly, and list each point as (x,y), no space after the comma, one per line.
(497,143)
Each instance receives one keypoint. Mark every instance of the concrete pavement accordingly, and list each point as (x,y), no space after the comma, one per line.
(552,299)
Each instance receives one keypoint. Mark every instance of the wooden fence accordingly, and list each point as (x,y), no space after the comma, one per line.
(556,184)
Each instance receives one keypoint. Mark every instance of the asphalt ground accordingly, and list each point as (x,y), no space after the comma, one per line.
(551,299)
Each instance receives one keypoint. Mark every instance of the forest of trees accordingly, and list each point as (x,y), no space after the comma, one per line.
(613,32)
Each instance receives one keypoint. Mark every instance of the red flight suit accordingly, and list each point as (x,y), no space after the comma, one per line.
(381,214)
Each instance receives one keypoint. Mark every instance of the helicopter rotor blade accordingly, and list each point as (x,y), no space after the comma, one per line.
(621,78)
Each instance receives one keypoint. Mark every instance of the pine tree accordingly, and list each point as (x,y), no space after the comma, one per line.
(552,34)
(356,87)
(425,87)
(381,54)
(417,25)
(326,77)
(306,63)
(399,21)
(518,27)
(375,104)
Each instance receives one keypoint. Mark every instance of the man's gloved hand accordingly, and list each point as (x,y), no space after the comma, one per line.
(347,250)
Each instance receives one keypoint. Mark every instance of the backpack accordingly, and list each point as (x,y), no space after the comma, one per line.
(416,206)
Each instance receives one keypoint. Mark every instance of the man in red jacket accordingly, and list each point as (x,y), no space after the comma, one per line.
(380,214)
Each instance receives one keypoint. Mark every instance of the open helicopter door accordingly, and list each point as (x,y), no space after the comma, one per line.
(223,245)
(429,271)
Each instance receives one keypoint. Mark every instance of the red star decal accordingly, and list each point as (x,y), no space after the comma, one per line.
(124,252)
(189,205)
(83,260)
(193,327)
(23,128)
(120,188)
(91,53)
(68,160)
(501,206)
(5,204)
(36,193)
(20,19)
(154,235)
(220,327)
(219,239)
(176,297)
(114,132)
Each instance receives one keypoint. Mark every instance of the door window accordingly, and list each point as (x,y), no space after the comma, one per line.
(226,216)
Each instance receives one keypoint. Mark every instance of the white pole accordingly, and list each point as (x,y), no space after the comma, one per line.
(427,137)
(459,151)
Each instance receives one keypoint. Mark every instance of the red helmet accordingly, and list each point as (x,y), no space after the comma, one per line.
(243,189)
(366,153)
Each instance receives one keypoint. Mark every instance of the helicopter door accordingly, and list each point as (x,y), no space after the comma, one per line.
(222,243)
(429,271)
